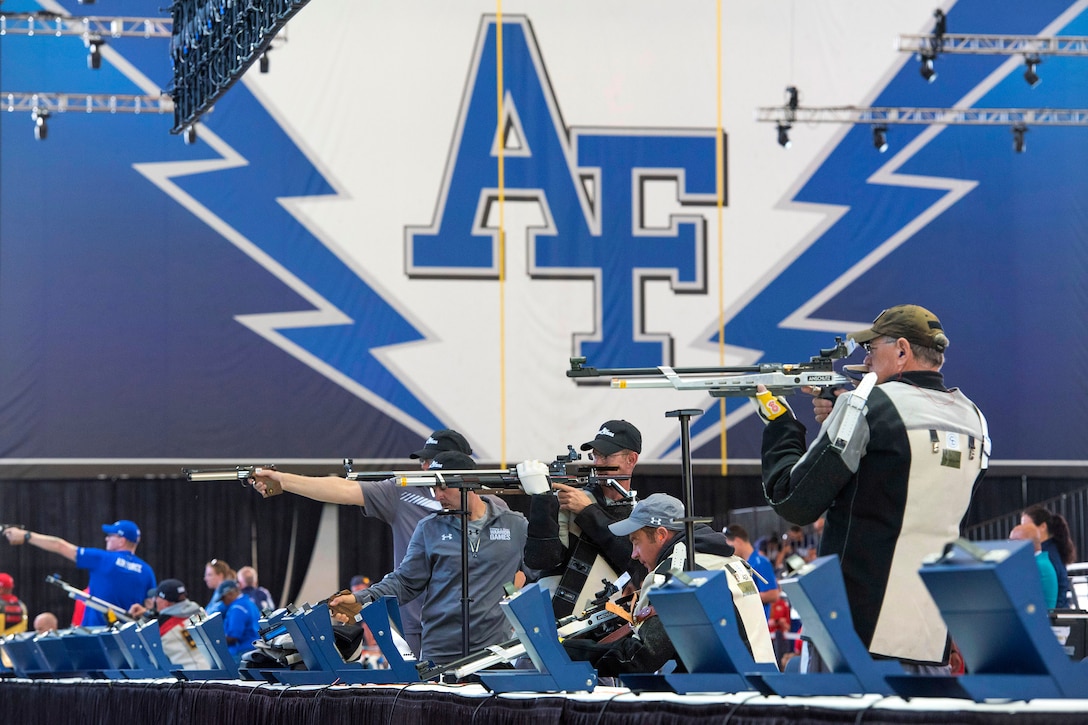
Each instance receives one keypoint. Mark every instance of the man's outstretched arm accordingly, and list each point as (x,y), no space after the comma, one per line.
(18,537)
(330,489)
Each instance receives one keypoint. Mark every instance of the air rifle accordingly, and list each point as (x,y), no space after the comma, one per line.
(495,480)
(723,382)
(501,478)
(112,611)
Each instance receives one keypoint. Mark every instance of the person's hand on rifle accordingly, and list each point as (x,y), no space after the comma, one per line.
(344,606)
(770,406)
(572,499)
(822,406)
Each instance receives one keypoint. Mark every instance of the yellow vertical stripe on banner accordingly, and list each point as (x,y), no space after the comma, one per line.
(720,169)
(502,237)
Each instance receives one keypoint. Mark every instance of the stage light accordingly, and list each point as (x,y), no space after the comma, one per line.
(1030,75)
(936,45)
(927,70)
(783,135)
(189,134)
(880,138)
(264,62)
(1018,132)
(41,128)
(94,52)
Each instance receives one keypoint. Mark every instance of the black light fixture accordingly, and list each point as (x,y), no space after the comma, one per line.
(927,69)
(791,98)
(41,128)
(264,62)
(880,138)
(1030,75)
(1018,132)
(189,134)
(940,26)
(936,45)
(94,52)
(783,135)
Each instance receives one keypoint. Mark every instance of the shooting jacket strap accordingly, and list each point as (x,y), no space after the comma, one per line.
(574,578)
(856,400)
(985,443)
(585,557)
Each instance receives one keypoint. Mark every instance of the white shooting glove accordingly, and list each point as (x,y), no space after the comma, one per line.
(534,477)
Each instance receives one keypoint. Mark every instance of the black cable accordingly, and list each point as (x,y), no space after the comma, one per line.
(604,706)
(736,707)
(871,705)
(486,700)
(393,705)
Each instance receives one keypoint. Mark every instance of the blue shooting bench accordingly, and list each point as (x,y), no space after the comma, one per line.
(26,655)
(991,598)
(140,661)
(818,593)
(84,652)
(531,613)
(696,609)
(211,639)
(312,633)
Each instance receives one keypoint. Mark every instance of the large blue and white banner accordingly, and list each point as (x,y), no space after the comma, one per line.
(337,266)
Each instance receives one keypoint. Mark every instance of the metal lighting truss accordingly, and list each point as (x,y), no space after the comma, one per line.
(94,31)
(86,103)
(928,47)
(783,115)
(963,43)
(44,23)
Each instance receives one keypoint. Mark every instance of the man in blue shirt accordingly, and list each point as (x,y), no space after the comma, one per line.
(240,620)
(117,575)
(738,538)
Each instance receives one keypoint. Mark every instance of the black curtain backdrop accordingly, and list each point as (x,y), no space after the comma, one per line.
(218,702)
(366,546)
(184,525)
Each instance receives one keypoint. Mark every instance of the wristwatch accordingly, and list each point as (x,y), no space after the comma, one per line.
(26,538)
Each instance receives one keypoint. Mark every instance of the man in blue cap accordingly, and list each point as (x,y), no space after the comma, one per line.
(117,575)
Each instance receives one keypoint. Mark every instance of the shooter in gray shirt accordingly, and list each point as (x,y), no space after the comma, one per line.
(399,506)
(431,570)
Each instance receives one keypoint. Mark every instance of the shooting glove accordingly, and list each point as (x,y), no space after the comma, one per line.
(771,406)
(534,477)
(347,609)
